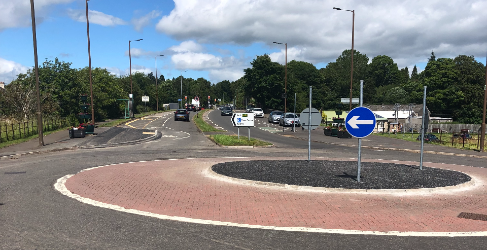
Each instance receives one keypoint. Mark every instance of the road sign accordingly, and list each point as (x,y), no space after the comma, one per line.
(145,98)
(347,100)
(360,122)
(315,118)
(179,100)
(243,119)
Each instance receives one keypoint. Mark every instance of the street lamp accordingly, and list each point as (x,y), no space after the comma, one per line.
(482,136)
(130,69)
(285,80)
(157,90)
(34,38)
(351,69)
(89,57)
(181,106)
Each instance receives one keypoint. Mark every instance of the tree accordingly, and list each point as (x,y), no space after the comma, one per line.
(265,82)
(414,74)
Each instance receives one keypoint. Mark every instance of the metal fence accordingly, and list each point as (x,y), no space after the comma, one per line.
(14,131)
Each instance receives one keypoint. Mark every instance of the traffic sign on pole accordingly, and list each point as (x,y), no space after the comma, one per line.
(360,122)
(315,118)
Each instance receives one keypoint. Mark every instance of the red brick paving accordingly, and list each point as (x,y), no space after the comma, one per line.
(181,188)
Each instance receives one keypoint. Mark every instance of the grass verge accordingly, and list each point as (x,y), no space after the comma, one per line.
(202,125)
(17,141)
(446,140)
(232,140)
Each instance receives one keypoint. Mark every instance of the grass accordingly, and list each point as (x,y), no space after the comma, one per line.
(202,125)
(446,140)
(232,140)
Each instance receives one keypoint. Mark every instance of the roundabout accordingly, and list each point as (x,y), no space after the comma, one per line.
(189,190)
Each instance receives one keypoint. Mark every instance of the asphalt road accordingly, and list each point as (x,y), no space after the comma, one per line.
(33,215)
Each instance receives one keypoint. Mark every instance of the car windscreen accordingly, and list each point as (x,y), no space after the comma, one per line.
(291,116)
(257,109)
(181,111)
(277,113)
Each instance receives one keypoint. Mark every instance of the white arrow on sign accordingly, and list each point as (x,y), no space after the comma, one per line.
(354,122)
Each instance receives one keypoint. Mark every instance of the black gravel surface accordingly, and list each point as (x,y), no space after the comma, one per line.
(341,174)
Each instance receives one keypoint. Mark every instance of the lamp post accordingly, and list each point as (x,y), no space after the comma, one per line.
(34,38)
(181,106)
(130,69)
(89,59)
(351,69)
(157,90)
(285,80)
(482,136)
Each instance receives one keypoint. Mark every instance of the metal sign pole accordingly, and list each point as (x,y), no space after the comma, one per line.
(249,132)
(294,123)
(422,129)
(360,139)
(309,123)
(238,132)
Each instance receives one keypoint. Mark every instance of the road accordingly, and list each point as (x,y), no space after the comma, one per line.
(33,215)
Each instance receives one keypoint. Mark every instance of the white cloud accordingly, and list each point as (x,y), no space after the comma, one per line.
(10,69)
(95,17)
(17,13)
(407,31)
(140,53)
(187,46)
(140,23)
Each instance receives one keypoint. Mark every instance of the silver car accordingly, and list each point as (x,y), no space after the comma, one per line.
(274,116)
(288,119)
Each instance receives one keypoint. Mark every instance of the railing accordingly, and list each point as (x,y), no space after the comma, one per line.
(24,129)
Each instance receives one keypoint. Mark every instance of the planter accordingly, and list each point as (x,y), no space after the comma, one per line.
(343,134)
(327,132)
(89,128)
(78,133)
(334,132)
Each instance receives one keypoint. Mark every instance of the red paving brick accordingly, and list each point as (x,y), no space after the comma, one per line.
(183,188)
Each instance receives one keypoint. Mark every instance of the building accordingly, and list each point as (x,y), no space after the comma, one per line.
(2,85)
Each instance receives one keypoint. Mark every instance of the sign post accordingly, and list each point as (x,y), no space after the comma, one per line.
(145,99)
(243,120)
(360,122)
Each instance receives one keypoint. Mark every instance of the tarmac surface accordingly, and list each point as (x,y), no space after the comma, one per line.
(187,190)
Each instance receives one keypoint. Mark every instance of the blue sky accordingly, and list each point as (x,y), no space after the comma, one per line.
(217,39)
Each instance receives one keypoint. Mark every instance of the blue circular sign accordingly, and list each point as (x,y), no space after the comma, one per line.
(360,122)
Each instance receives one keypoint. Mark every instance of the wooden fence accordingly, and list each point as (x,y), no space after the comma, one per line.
(15,131)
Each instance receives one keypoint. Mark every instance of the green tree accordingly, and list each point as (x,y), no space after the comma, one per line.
(265,82)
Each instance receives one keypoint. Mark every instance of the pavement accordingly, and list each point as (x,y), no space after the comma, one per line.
(187,190)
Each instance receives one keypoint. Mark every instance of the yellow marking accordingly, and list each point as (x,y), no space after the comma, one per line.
(130,126)
(148,133)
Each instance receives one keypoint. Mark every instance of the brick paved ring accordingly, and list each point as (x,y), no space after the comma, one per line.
(187,190)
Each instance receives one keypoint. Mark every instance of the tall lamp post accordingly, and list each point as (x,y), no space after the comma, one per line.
(285,80)
(351,69)
(181,106)
(39,110)
(89,58)
(482,136)
(157,89)
(130,69)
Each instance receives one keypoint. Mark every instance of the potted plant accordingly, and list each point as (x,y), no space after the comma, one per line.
(327,130)
(77,132)
(334,131)
(343,133)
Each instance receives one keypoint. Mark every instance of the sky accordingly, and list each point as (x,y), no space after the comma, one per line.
(218,39)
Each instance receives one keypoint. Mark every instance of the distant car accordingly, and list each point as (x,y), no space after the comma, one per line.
(274,116)
(181,114)
(288,119)
(191,107)
(429,138)
(226,111)
(249,110)
(258,112)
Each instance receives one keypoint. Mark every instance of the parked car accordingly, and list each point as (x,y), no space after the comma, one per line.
(181,114)
(274,116)
(258,112)
(429,138)
(288,119)
(249,110)
(226,111)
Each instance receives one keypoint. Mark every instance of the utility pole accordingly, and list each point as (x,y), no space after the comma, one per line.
(39,110)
